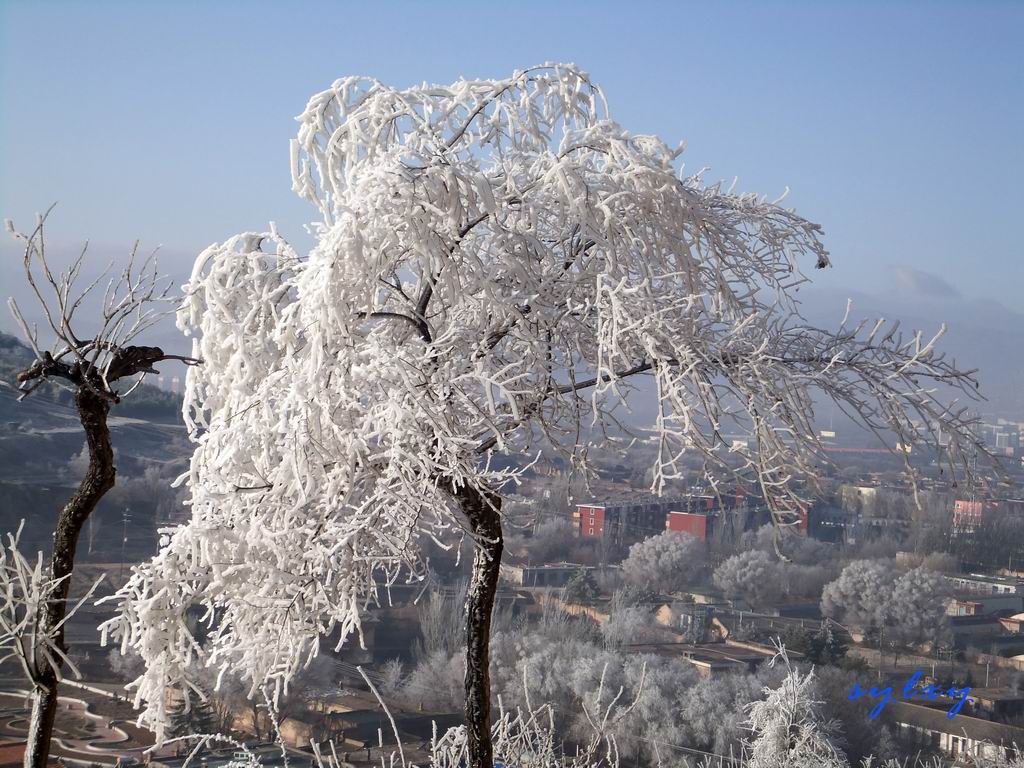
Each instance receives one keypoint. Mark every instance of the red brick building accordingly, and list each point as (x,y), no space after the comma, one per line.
(589,520)
(699,524)
(624,521)
(629,520)
(967,515)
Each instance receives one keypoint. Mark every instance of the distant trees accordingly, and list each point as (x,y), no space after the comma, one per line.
(861,595)
(996,541)
(804,581)
(753,576)
(664,563)
(146,402)
(869,594)
(802,575)
(552,540)
(801,550)
(940,562)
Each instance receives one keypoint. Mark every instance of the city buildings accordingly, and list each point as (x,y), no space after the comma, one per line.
(627,520)
(623,521)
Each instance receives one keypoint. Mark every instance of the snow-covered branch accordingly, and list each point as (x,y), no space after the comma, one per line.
(497,263)
(25,588)
(131,304)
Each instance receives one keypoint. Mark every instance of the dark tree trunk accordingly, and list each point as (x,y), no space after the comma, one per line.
(99,478)
(485,522)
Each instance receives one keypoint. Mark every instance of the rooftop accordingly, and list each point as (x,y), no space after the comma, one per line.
(987,578)
(973,728)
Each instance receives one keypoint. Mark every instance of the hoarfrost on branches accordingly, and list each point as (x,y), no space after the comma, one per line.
(754,576)
(919,601)
(97,360)
(496,262)
(25,588)
(872,594)
(861,594)
(664,563)
(789,729)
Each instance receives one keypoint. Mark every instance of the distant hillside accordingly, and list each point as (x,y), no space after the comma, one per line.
(42,458)
(41,434)
(146,402)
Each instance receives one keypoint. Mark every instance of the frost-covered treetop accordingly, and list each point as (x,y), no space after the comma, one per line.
(495,261)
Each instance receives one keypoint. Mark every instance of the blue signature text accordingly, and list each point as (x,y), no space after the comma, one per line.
(911,691)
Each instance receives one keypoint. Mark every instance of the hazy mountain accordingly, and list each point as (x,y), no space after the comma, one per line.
(980,334)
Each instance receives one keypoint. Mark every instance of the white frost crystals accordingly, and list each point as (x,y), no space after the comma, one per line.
(495,261)
(24,588)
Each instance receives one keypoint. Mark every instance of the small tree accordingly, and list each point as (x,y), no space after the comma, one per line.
(627,626)
(581,587)
(832,647)
(667,562)
(497,263)
(100,365)
(818,648)
(789,730)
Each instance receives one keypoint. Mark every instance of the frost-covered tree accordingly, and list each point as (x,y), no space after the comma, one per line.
(861,595)
(91,352)
(789,730)
(664,563)
(439,614)
(754,576)
(436,682)
(392,673)
(917,608)
(804,581)
(497,262)
(797,549)
(627,626)
(870,594)
(714,710)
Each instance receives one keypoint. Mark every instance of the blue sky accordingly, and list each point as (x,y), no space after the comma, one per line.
(897,126)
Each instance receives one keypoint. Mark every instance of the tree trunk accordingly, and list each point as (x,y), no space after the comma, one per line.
(99,478)
(485,522)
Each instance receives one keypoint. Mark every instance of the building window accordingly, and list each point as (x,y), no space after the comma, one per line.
(591,531)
